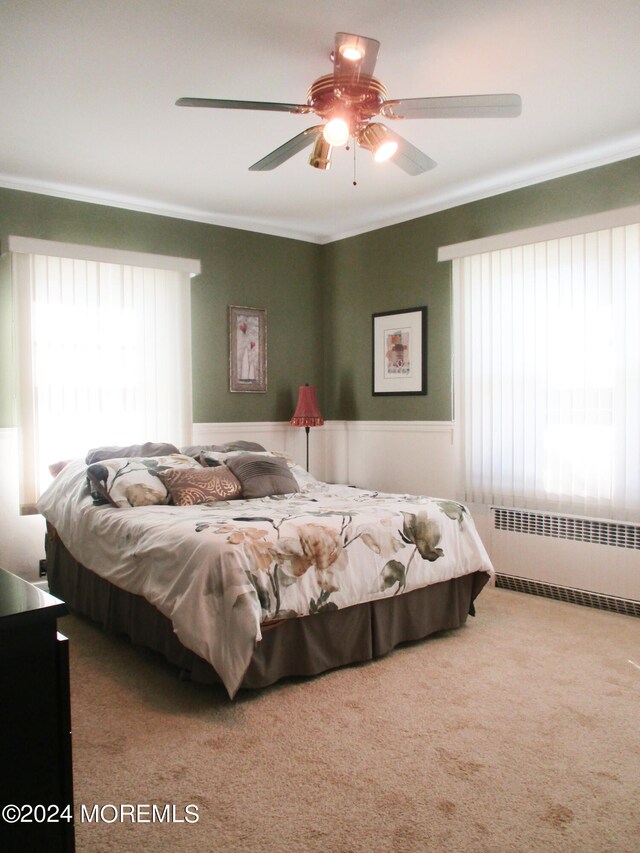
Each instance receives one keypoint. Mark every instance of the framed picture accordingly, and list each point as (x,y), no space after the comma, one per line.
(247,349)
(400,352)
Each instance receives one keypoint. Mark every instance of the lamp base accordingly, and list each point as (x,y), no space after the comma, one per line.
(306,429)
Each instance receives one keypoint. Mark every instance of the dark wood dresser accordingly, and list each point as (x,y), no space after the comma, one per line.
(36,777)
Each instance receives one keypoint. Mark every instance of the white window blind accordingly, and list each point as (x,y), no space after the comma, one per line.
(549,367)
(104,356)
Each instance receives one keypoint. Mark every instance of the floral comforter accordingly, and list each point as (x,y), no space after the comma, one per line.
(219,571)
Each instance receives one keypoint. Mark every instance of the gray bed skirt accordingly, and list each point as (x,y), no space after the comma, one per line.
(293,647)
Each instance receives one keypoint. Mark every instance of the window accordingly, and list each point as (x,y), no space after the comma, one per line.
(549,373)
(104,352)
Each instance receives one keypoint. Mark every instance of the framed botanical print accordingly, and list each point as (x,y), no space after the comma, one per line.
(247,349)
(400,352)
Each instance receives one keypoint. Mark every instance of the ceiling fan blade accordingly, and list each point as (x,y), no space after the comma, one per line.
(354,57)
(409,158)
(241,105)
(284,152)
(460,106)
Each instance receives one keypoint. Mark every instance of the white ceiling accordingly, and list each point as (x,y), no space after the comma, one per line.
(87,93)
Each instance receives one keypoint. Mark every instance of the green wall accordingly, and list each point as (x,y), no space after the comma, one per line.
(238,268)
(319,299)
(396,267)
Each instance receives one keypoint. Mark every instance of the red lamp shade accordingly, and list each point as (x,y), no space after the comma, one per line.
(307,413)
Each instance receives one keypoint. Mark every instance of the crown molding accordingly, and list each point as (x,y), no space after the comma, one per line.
(535,173)
(155,208)
(569,163)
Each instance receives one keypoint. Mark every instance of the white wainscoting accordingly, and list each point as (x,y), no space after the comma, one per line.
(394,456)
(415,457)
(21,536)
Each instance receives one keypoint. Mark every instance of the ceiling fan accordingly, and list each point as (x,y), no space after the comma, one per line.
(348,99)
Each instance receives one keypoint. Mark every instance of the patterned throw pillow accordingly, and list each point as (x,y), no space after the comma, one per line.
(262,475)
(191,486)
(134,481)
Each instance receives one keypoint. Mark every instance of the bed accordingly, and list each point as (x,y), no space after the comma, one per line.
(265,574)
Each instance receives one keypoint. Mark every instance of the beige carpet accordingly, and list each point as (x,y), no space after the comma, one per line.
(519,732)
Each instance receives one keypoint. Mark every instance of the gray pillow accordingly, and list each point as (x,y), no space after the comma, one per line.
(149,448)
(195,450)
(261,476)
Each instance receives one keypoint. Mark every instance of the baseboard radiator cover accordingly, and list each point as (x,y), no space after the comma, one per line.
(626,606)
(593,531)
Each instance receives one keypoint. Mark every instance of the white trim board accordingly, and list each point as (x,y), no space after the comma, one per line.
(76,251)
(400,426)
(541,233)
(267,426)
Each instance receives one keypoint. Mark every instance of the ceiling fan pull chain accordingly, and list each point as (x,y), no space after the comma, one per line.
(355,183)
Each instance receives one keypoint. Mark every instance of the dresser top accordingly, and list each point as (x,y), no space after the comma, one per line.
(22,603)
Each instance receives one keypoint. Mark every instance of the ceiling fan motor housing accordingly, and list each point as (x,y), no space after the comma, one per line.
(355,102)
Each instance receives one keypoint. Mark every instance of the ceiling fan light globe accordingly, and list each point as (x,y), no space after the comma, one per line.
(377,139)
(336,132)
